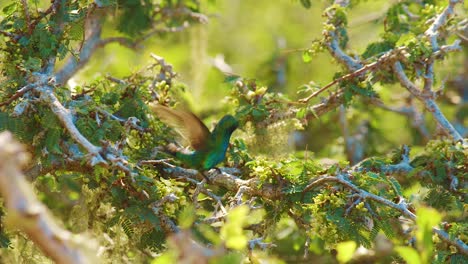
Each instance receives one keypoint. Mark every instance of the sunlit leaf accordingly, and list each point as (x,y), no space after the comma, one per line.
(345,251)
(410,255)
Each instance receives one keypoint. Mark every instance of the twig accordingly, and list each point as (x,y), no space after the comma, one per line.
(354,204)
(460,245)
(127,42)
(161,161)
(130,122)
(428,101)
(233,184)
(238,197)
(229,182)
(52,9)
(427,95)
(384,58)
(259,242)
(116,80)
(313,111)
(403,166)
(166,223)
(24,3)
(401,207)
(190,251)
(196,192)
(13,37)
(20,93)
(135,44)
(432,33)
(306,248)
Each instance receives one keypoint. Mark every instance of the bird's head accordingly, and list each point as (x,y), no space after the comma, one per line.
(228,123)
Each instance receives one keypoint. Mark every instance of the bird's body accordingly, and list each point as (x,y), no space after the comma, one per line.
(209,147)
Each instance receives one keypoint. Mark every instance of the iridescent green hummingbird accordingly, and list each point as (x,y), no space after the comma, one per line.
(209,147)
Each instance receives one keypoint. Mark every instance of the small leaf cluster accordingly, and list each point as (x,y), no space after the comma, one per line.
(147,14)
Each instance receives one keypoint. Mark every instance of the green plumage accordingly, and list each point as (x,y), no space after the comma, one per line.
(209,147)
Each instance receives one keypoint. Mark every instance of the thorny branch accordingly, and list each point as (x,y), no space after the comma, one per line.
(45,83)
(252,189)
(402,206)
(426,95)
(20,93)
(428,101)
(362,70)
(343,178)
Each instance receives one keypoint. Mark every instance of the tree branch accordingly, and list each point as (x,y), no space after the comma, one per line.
(20,93)
(27,213)
(390,55)
(65,117)
(342,178)
(92,42)
(433,31)
(335,50)
(429,102)
(52,9)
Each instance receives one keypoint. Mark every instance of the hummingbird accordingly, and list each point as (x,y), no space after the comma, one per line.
(209,148)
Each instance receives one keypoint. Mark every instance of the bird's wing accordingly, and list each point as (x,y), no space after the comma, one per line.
(188,125)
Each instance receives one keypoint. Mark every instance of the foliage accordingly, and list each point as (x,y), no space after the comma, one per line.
(275,201)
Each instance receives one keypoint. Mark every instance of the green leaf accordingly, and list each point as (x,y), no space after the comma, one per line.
(427,218)
(168,257)
(378,48)
(458,258)
(410,255)
(155,239)
(187,217)
(406,39)
(440,169)
(306,3)
(232,231)
(307,56)
(232,79)
(395,185)
(76,31)
(258,114)
(10,9)
(147,215)
(24,41)
(33,64)
(345,251)
(143,178)
(230,258)
(301,113)
(52,140)
(348,95)
(4,241)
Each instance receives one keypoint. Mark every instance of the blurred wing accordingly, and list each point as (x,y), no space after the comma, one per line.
(188,125)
